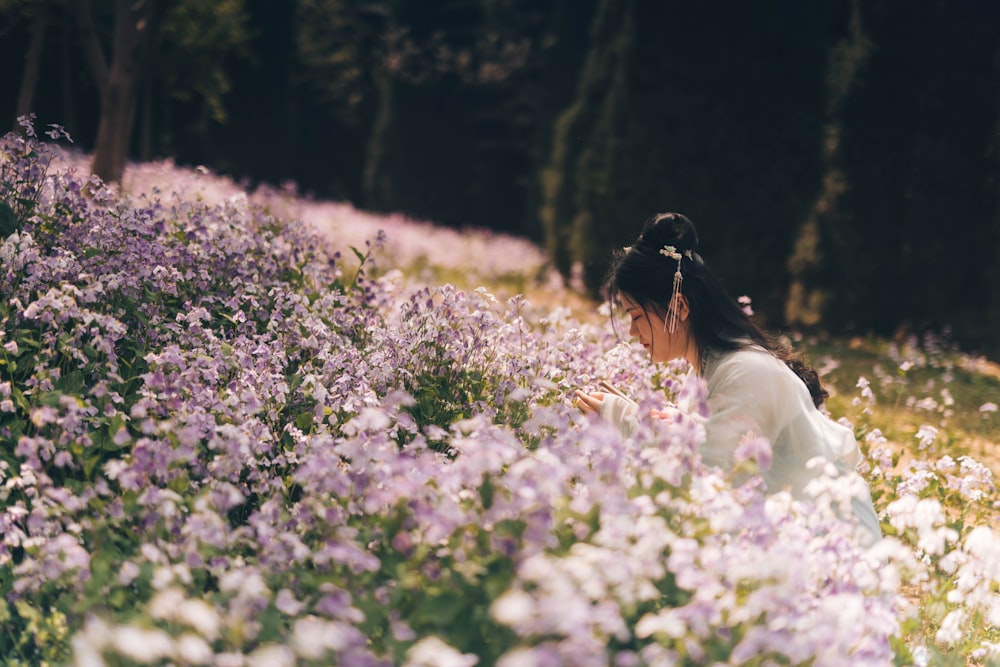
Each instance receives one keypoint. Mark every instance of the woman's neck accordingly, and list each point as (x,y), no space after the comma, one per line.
(693,355)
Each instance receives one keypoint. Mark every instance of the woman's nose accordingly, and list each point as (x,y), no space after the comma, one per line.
(633,329)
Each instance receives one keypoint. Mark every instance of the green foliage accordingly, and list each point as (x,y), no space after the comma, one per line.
(198,42)
(912,178)
(341,46)
(654,128)
(19,10)
(19,193)
(577,184)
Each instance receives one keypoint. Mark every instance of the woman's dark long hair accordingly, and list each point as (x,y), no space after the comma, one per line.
(718,322)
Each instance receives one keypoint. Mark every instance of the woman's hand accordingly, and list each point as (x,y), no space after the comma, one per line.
(668,415)
(589,402)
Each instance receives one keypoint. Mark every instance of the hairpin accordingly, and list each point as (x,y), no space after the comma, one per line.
(670,252)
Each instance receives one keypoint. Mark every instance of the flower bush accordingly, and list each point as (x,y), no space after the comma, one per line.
(225,445)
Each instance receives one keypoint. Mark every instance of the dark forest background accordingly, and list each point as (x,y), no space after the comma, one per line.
(839,157)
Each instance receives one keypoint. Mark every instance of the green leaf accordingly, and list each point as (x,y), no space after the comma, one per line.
(304,421)
(71,383)
(441,610)
(50,398)
(90,463)
(100,441)
(116,424)
(8,222)
(26,338)
(498,581)
(118,598)
(486,491)
(25,610)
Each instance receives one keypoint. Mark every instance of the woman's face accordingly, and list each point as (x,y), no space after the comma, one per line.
(649,328)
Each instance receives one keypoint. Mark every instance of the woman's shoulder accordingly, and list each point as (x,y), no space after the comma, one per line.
(752,358)
(754,376)
(750,364)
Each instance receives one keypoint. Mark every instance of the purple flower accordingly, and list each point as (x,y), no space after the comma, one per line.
(756,449)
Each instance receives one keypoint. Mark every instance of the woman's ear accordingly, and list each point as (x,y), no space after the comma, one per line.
(683,307)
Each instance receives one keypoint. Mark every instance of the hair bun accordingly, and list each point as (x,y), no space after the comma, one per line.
(673,229)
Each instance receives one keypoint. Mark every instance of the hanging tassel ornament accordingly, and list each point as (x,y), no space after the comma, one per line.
(669,251)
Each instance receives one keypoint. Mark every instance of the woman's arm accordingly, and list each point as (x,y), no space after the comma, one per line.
(617,409)
(750,395)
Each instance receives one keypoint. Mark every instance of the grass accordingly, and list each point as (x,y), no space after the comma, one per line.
(915,385)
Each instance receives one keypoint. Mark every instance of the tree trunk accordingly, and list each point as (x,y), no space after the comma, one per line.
(29,80)
(146,129)
(376,179)
(114,129)
(572,167)
(135,28)
(807,295)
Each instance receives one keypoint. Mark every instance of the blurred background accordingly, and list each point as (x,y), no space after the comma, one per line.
(839,157)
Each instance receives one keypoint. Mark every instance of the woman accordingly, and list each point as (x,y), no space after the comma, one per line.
(756,387)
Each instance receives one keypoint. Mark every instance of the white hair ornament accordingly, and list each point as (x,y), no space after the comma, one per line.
(670,252)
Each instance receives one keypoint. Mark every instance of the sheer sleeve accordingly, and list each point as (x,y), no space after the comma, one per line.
(748,396)
(621,412)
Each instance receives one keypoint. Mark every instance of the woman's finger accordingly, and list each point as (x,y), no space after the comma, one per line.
(589,402)
(659,414)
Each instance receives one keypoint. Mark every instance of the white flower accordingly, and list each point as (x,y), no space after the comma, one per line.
(982,541)
(162,577)
(667,622)
(518,657)
(165,602)
(200,616)
(951,631)
(745,305)
(171,604)
(988,407)
(89,644)
(926,435)
(432,652)
(987,650)
(312,637)
(230,660)
(513,608)
(84,654)
(142,646)
(193,650)
(286,603)
(127,573)
(993,615)
(271,655)
(307,637)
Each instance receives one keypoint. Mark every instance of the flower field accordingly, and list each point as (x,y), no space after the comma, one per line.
(249,429)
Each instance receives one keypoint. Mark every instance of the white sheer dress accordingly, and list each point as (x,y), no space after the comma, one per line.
(753,393)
